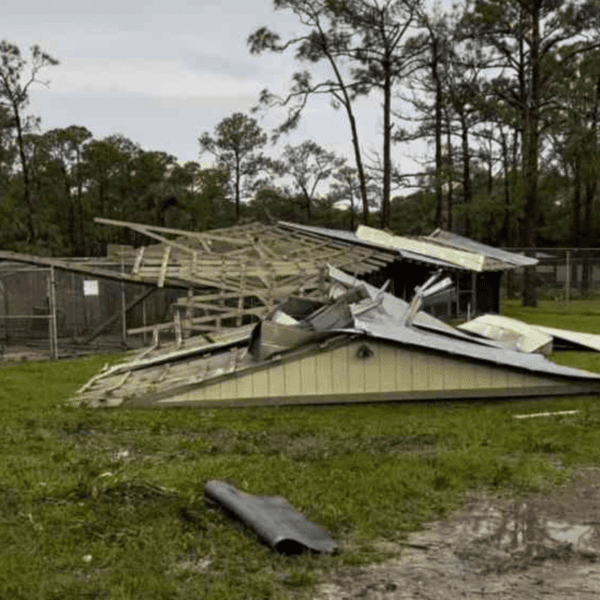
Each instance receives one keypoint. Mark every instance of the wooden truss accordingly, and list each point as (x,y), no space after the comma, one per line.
(238,274)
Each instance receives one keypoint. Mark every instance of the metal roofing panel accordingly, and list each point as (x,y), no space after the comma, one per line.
(351,238)
(499,259)
(378,326)
(429,260)
(525,337)
(463,243)
(588,340)
(339,234)
(465,259)
(396,308)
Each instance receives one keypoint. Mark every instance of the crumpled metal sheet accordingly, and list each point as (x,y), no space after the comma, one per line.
(273,519)
(516,334)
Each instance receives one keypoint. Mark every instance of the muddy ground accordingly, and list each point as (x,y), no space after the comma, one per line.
(541,546)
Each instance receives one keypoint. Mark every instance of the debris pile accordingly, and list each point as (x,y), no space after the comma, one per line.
(361,345)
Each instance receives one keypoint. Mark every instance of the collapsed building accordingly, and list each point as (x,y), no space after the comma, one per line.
(236,274)
(361,344)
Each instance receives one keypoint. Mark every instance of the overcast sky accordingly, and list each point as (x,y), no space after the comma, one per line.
(162,72)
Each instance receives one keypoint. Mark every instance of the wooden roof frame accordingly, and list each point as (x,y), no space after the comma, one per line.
(231,265)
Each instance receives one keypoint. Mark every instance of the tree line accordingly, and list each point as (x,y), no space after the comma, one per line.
(504,93)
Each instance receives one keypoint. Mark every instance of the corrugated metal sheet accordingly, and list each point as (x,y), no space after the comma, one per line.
(431,249)
(454,240)
(466,260)
(395,308)
(350,237)
(410,336)
(514,333)
(577,338)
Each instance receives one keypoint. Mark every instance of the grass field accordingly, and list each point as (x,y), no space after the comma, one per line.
(109,504)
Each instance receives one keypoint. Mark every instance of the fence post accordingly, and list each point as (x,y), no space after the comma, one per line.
(53,326)
(123,309)
(144,320)
(568,279)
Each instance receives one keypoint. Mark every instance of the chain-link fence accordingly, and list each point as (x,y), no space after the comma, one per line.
(562,273)
(46,311)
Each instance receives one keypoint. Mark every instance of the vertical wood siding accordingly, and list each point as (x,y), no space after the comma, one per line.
(341,371)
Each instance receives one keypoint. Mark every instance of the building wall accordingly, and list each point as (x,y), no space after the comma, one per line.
(341,374)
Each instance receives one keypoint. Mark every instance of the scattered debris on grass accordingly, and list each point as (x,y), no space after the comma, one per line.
(557,413)
(273,519)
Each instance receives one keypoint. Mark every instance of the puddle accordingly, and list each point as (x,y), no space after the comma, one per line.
(546,546)
(524,528)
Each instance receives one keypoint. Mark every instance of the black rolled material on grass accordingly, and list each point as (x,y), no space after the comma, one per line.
(273,519)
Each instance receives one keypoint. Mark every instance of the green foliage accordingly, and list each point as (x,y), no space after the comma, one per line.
(414,214)
(309,165)
(236,145)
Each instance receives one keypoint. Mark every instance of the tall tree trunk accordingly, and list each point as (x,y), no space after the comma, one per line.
(466,174)
(440,221)
(83,247)
(27,199)
(347,102)
(449,175)
(237,189)
(307,204)
(73,239)
(576,224)
(362,177)
(530,159)
(387,157)
(506,226)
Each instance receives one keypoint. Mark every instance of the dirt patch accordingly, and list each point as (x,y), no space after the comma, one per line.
(542,546)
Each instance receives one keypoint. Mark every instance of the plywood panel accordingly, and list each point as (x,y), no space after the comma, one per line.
(260,384)
(201,394)
(420,372)
(291,377)
(483,375)
(356,370)
(372,369)
(339,370)
(386,358)
(499,378)
(308,375)
(276,377)
(404,369)
(340,374)
(324,367)
(534,380)
(452,375)
(468,375)
(243,385)
(435,365)
(228,389)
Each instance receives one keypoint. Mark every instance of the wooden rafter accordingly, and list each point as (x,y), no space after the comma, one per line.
(245,269)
